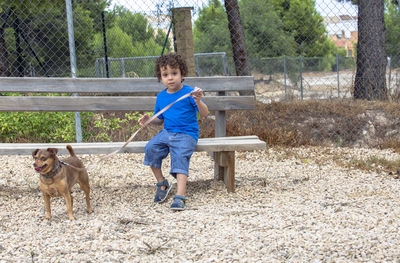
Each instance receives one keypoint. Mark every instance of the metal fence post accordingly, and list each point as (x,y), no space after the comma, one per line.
(284,74)
(103,23)
(337,70)
(71,41)
(123,67)
(96,68)
(301,77)
(103,71)
(225,62)
(390,73)
(196,66)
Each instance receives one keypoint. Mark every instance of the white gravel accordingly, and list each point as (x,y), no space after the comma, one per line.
(290,205)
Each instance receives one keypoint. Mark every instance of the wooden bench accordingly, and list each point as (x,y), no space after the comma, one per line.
(104,95)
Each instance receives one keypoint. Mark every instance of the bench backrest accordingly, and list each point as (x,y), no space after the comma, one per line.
(120,94)
(90,91)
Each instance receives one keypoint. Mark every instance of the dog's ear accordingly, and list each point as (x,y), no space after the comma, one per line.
(53,151)
(35,152)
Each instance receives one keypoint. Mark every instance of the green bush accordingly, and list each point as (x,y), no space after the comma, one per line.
(107,126)
(40,126)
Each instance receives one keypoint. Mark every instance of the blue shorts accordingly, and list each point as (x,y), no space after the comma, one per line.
(180,145)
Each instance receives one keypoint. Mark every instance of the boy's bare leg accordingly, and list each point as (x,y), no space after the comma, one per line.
(181,184)
(159,176)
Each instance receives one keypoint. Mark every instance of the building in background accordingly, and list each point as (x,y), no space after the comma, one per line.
(342,29)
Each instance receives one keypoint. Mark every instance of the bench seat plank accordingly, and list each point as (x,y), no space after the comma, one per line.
(219,144)
(109,103)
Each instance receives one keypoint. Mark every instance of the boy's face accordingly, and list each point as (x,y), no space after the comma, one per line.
(171,78)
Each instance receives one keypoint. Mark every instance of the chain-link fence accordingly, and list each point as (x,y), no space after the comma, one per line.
(295,49)
(206,64)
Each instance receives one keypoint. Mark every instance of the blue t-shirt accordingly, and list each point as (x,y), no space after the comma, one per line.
(180,117)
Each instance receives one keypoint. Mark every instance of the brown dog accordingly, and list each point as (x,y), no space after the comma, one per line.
(58,177)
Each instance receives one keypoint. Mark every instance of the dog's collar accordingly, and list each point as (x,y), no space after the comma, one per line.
(55,170)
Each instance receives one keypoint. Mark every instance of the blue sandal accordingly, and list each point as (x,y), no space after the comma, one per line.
(179,203)
(161,195)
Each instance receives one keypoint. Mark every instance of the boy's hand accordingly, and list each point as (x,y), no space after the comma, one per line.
(143,120)
(197,93)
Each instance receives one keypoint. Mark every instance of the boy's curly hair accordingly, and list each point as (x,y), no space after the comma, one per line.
(173,60)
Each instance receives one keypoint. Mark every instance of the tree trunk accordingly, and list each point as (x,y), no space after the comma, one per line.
(4,66)
(237,38)
(4,69)
(370,82)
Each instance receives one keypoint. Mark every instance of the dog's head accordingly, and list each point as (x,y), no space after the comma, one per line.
(44,160)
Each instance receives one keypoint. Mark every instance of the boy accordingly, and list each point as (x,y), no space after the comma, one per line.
(181,130)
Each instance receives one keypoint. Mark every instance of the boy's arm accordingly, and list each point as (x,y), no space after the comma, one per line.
(146,117)
(157,121)
(203,109)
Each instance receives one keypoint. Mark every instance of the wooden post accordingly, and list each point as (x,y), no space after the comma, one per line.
(183,36)
(220,131)
(229,175)
(225,162)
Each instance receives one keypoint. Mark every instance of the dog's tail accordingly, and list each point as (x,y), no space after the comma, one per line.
(71,151)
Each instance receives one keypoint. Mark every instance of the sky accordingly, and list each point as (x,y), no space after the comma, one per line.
(324,7)
(334,8)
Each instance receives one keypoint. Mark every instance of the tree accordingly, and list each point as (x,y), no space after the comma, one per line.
(36,33)
(272,28)
(262,27)
(130,36)
(210,31)
(119,43)
(143,36)
(94,8)
(392,21)
(42,41)
(305,25)
(237,38)
(4,66)
(370,81)
(136,25)
(160,40)
(264,32)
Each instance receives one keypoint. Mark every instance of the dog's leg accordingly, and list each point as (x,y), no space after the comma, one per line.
(46,198)
(84,184)
(67,197)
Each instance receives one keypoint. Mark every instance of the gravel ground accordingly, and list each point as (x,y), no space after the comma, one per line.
(290,205)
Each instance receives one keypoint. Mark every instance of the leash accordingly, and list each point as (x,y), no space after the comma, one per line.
(147,123)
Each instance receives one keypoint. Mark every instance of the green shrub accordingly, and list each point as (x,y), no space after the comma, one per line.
(40,126)
(113,126)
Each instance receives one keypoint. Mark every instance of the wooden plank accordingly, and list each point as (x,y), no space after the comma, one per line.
(206,144)
(232,145)
(73,104)
(222,83)
(229,170)
(230,138)
(110,103)
(251,139)
(120,85)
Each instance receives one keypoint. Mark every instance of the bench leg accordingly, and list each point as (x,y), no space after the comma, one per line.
(218,170)
(224,169)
